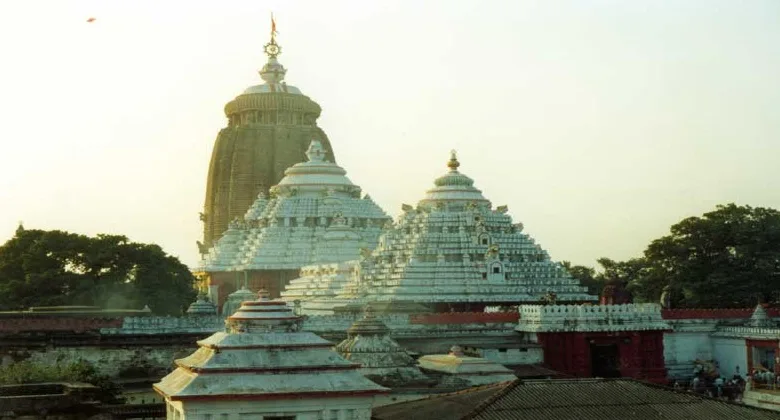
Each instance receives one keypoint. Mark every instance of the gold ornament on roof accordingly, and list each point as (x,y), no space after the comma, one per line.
(453,163)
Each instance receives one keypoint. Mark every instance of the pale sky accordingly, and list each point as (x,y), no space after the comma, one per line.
(599,123)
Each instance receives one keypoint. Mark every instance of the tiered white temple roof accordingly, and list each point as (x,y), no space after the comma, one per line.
(452,248)
(315,215)
(381,358)
(262,357)
(202,306)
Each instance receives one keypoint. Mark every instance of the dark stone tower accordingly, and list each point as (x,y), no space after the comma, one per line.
(270,126)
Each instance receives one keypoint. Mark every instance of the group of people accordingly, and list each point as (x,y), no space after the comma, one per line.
(711,383)
(764,378)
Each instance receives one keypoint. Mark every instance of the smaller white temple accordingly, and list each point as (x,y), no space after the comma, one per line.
(381,358)
(202,306)
(235,299)
(458,369)
(314,215)
(264,368)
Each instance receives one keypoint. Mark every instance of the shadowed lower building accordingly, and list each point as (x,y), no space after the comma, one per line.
(269,128)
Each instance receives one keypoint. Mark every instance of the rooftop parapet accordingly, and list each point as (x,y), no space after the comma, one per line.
(591,318)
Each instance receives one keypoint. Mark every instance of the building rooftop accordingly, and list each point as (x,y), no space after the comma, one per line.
(575,399)
(381,358)
(263,356)
(315,214)
(452,248)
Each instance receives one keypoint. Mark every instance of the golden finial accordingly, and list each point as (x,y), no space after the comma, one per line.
(453,164)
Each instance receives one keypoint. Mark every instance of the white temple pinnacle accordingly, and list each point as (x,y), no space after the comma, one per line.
(315,153)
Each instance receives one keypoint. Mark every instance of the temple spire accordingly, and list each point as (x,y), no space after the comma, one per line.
(272,49)
(272,72)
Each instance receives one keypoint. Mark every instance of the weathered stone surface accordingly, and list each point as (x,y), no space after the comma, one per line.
(269,128)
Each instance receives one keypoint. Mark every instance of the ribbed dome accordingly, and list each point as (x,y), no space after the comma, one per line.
(315,175)
(453,187)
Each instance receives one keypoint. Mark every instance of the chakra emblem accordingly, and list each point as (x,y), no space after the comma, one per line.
(272,49)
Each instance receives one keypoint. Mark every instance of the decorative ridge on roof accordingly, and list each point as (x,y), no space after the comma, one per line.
(292,369)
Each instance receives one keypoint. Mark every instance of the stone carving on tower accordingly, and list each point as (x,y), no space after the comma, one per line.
(269,128)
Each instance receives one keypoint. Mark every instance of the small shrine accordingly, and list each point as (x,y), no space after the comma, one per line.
(457,370)
(263,367)
(202,306)
(235,299)
(451,252)
(381,359)
(314,215)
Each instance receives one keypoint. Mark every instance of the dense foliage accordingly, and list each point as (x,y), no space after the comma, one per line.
(729,257)
(50,268)
(27,372)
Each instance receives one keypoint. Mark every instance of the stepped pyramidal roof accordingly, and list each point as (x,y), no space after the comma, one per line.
(381,358)
(314,215)
(452,249)
(264,356)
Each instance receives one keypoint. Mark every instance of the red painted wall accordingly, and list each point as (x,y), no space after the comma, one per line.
(641,353)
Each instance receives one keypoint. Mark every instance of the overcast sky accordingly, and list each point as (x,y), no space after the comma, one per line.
(599,123)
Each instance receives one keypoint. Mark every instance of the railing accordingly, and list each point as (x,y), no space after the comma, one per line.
(134,411)
(741,313)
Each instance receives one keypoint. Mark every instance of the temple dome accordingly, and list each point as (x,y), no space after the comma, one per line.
(315,215)
(315,175)
(381,358)
(454,251)
(262,315)
(453,188)
(270,125)
(202,306)
(235,299)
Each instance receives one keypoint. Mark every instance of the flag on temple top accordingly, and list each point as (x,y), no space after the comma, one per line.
(90,20)
(273,25)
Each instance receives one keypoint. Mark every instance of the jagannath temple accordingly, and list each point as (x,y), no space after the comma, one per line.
(314,215)
(269,127)
(452,297)
(451,252)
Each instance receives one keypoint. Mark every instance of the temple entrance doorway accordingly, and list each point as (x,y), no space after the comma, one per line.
(604,360)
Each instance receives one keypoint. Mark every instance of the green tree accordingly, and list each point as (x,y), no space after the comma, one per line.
(45,268)
(729,257)
(586,276)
